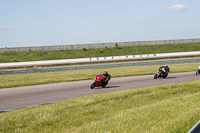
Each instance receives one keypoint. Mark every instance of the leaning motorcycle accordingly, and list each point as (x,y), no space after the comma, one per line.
(161,73)
(100,80)
(198,71)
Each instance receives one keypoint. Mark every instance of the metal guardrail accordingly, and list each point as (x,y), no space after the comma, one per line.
(195,128)
(98,66)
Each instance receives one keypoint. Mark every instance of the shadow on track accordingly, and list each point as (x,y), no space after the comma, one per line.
(171,77)
(106,87)
(112,86)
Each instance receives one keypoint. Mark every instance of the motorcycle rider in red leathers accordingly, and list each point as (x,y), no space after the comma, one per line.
(101,80)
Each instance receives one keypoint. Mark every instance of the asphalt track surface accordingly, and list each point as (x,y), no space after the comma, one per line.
(20,97)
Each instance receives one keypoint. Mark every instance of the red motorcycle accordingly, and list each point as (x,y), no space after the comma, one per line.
(100,80)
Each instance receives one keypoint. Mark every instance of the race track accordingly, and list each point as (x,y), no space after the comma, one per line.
(19,97)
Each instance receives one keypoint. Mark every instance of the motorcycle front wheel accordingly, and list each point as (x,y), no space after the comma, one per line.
(155,77)
(197,72)
(92,86)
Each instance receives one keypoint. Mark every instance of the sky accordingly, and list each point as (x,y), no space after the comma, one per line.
(25,23)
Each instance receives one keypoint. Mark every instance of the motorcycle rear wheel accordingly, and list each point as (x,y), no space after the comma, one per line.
(104,85)
(165,75)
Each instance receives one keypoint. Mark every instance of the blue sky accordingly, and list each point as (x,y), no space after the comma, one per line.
(26,23)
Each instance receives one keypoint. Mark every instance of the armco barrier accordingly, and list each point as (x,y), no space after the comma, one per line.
(195,128)
(98,45)
(97,60)
(99,66)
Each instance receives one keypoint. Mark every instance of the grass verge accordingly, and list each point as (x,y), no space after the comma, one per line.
(97,52)
(66,76)
(167,108)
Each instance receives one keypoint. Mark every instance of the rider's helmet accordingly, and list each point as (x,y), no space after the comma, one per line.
(165,65)
(105,73)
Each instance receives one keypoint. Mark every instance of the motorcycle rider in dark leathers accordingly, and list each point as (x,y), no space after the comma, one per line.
(107,77)
(164,69)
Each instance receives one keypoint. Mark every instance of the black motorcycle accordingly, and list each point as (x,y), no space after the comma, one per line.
(162,72)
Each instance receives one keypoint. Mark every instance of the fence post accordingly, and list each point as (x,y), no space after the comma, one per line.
(62,50)
(164,46)
(123,49)
(46,55)
(29,54)
(12,56)
(108,50)
(137,50)
(177,47)
(150,49)
(78,52)
(93,52)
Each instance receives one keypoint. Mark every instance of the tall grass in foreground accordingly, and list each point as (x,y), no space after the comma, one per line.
(66,76)
(168,108)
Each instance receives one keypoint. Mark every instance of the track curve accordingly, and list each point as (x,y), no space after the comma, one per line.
(19,97)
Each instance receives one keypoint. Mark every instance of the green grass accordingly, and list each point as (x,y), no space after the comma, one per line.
(66,76)
(98,52)
(169,108)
